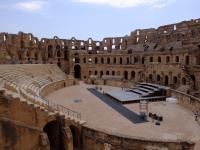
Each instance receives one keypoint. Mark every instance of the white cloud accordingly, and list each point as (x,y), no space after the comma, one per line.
(129,3)
(33,5)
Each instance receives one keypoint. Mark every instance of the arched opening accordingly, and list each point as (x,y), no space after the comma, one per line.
(101,73)
(90,73)
(53,131)
(77,71)
(77,59)
(84,60)
(142,60)
(167,59)
(76,137)
(135,60)
(96,60)
(113,73)
(95,73)
(120,60)
(151,59)
(187,60)
(102,60)
(114,61)
(107,72)
(66,53)
(108,60)
(58,52)
(166,80)
(59,64)
(126,75)
(132,74)
(183,81)
(127,60)
(159,59)
(175,79)
(150,78)
(158,78)
(50,51)
(177,59)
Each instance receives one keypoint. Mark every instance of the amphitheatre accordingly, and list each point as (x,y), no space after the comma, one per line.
(137,92)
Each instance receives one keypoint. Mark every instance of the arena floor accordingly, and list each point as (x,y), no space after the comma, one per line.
(102,113)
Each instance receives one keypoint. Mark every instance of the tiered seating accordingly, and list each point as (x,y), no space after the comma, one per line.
(30,77)
(24,82)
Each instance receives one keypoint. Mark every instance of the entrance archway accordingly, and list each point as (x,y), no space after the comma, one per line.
(77,71)
(53,131)
(76,137)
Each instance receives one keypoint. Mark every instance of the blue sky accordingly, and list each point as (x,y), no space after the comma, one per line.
(92,18)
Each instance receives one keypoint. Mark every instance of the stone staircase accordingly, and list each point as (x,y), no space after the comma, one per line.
(188,75)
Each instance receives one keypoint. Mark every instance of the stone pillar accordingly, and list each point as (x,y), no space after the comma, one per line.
(67,138)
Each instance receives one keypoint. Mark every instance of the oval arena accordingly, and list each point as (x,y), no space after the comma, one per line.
(137,92)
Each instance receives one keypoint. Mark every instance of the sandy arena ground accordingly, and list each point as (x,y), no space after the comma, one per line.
(102,113)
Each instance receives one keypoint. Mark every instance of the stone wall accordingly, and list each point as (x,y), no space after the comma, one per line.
(21,123)
(56,86)
(98,140)
(190,102)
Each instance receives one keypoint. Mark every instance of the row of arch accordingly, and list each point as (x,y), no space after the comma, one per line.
(115,60)
(166,80)
(125,74)
(57,138)
(129,60)
(58,52)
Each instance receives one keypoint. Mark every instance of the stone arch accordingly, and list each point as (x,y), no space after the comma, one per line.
(132,74)
(108,60)
(76,133)
(101,73)
(96,60)
(102,60)
(159,59)
(95,72)
(120,61)
(175,79)
(177,59)
(107,73)
(166,80)
(50,51)
(126,75)
(114,60)
(53,131)
(150,77)
(158,78)
(77,71)
(184,81)
(167,59)
(58,51)
(113,73)
(187,60)
(151,59)
(66,53)
(127,60)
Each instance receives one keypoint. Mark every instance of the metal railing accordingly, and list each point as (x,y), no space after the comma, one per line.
(49,104)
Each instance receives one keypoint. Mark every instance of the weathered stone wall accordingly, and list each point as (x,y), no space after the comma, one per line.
(187,101)
(21,123)
(98,140)
(56,86)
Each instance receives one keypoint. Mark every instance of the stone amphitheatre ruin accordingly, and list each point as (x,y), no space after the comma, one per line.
(137,92)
